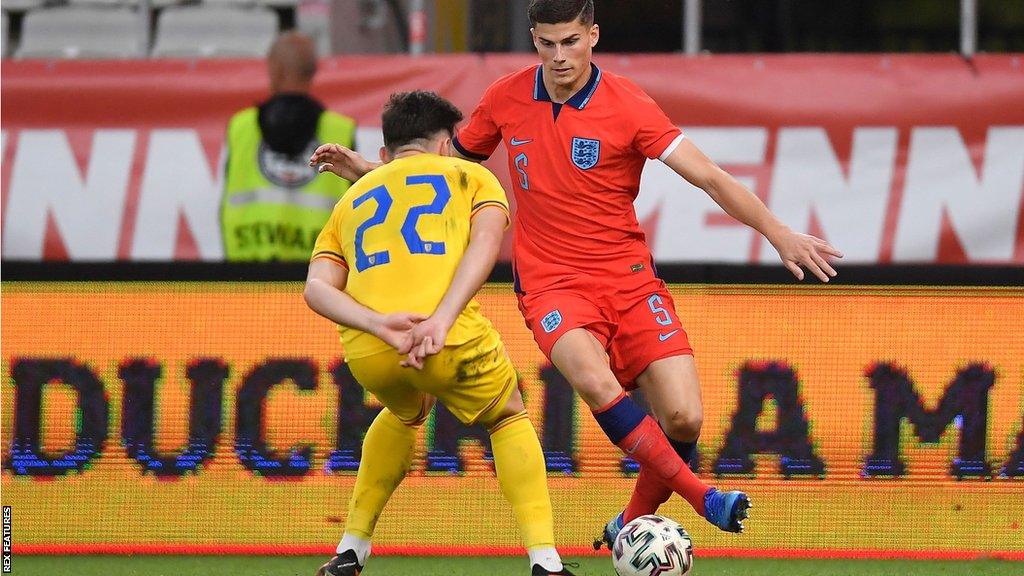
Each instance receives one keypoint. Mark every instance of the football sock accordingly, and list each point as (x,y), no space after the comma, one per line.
(386,458)
(640,437)
(650,492)
(686,450)
(547,557)
(519,462)
(360,546)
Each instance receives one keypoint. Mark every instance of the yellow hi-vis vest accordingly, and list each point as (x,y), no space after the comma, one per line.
(274,207)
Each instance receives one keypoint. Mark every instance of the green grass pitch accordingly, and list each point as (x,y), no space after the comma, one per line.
(461,566)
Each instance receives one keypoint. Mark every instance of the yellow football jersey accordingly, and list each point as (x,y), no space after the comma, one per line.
(401,231)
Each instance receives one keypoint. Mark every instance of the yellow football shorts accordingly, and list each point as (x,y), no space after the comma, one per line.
(473,380)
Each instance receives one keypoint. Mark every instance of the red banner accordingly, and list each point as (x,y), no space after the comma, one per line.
(892,158)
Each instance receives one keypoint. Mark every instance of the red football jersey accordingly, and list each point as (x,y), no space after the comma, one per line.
(575,170)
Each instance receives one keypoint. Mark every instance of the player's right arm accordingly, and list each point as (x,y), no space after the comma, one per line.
(479,137)
(475,142)
(325,294)
(351,165)
(341,161)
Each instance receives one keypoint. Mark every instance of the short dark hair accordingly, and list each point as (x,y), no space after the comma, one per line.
(559,11)
(417,115)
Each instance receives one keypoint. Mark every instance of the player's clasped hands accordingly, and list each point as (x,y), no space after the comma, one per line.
(799,251)
(413,336)
(426,338)
(395,329)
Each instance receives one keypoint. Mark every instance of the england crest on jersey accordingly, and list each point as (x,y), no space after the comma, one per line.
(585,152)
(551,321)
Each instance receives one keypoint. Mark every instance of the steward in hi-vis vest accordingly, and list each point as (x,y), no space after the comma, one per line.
(274,204)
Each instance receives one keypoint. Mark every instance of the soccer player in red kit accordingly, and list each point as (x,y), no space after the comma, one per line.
(577,140)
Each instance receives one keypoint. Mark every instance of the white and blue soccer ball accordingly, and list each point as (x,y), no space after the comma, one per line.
(652,545)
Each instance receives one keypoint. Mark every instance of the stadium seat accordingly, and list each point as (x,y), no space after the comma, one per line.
(314,20)
(132,3)
(80,32)
(3,34)
(214,31)
(268,3)
(22,5)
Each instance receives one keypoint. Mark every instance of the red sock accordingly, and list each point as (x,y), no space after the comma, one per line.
(648,494)
(648,445)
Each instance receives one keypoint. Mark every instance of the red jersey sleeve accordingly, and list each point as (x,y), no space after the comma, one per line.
(655,133)
(480,136)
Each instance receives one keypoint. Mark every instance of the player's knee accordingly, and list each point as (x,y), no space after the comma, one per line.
(596,387)
(425,408)
(683,426)
(512,407)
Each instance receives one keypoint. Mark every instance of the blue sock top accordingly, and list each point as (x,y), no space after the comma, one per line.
(619,418)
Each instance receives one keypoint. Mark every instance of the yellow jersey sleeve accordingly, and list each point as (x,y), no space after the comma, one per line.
(486,191)
(328,242)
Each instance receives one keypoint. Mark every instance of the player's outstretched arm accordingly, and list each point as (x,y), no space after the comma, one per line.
(325,294)
(341,161)
(796,250)
(485,236)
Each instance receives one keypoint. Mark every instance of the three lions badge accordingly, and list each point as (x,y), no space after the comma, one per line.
(551,321)
(585,152)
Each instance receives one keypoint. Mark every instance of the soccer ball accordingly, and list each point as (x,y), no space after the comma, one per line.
(652,546)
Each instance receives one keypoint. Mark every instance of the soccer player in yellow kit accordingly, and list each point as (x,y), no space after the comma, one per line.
(398,262)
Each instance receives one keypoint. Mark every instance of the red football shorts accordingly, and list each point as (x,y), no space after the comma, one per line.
(635,331)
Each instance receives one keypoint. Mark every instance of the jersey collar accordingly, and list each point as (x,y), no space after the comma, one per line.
(579,99)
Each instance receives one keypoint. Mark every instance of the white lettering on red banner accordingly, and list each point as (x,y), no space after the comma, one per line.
(888,170)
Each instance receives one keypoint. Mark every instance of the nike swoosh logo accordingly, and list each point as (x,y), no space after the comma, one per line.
(515,142)
(633,449)
(664,337)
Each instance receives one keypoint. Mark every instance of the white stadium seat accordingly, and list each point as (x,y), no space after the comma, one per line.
(132,3)
(80,32)
(3,34)
(214,31)
(271,3)
(230,2)
(22,5)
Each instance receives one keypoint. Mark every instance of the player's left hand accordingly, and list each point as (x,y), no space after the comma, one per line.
(396,329)
(428,338)
(799,251)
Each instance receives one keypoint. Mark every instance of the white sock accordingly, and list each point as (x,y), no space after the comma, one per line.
(548,558)
(358,545)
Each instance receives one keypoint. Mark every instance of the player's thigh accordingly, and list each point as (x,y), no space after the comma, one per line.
(572,328)
(648,330)
(552,313)
(581,358)
(382,376)
(474,380)
(672,389)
